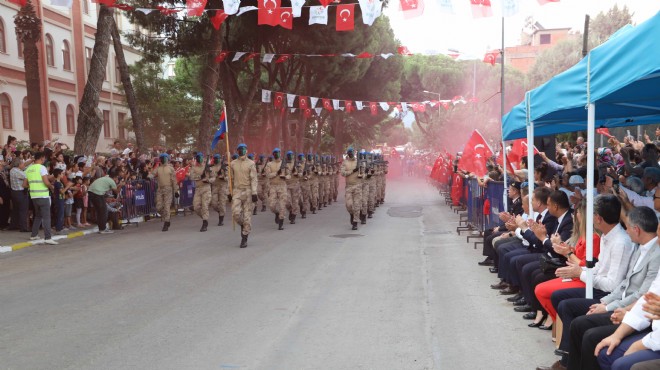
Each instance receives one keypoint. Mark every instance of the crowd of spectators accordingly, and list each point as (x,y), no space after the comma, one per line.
(539,255)
(81,189)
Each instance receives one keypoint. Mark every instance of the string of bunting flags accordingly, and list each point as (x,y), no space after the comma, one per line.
(280,58)
(308,104)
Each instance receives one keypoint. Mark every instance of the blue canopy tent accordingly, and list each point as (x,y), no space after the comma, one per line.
(617,84)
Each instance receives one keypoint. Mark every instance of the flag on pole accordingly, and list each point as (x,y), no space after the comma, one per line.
(222,129)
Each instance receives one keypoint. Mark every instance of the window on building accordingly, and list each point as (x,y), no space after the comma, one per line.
(66,56)
(54,123)
(70,120)
(3,43)
(121,117)
(50,54)
(88,59)
(85,6)
(19,45)
(26,117)
(546,39)
(106,123)
(5,110)
(117,72)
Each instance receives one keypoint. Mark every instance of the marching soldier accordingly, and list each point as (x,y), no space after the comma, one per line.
(293,186)
(202,199)
(244,177)
(277,174)
(164,174)
(305,187)
(328,181)
(335,178)
(372,179)
(349,170)
(262,185)
(313,182)
(220,187)
(362,174)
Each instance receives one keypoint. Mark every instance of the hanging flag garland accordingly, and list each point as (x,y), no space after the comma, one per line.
(268,58)
(306,104)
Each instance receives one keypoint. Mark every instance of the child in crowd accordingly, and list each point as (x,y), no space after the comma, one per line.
(78,196)
(84,187)
(58,200)
(68,203)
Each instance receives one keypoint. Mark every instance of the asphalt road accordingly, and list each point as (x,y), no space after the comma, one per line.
(403,292)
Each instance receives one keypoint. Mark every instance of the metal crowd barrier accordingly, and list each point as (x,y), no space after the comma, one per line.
(186,195)
(483,207)
(138,198)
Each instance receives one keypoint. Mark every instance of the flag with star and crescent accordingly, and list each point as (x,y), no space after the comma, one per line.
(475,155)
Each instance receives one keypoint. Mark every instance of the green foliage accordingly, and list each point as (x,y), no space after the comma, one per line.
(170,107)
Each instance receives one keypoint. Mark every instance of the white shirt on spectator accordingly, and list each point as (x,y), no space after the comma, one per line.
(636,319)
(616,248)
(641,200)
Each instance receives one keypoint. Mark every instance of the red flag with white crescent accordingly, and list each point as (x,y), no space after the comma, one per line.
(327,105)
(302,102)
(279,100)
(268,12)
(345,17)
(286,18)
(491,57)
(475,155)
(373,106)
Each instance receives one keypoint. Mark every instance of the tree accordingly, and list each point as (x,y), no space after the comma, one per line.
(28,29)
(90,120)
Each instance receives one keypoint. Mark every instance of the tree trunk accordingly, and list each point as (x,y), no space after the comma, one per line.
(286,136)
(90,119)
(209,79)
(28,27)
(138,128)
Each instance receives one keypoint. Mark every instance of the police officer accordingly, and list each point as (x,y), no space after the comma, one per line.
(349,169)
(244,194)
(202,199)
(220,187)
(293,187)
(277,173)
(166,178)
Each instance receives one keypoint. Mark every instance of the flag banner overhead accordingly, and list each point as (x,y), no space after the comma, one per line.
(481,8)
(345,20)
(231,6)
(318,15)
(265,96)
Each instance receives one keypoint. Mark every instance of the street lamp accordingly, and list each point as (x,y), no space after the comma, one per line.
(438,94)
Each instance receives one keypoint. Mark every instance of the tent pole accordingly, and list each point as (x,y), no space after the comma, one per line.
(504,196)
(591,133)
(530,166)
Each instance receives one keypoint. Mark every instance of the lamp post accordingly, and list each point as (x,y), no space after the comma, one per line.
(438,94)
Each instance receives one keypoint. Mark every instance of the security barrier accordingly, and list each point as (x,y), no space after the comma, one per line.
(186,195)
(138,198)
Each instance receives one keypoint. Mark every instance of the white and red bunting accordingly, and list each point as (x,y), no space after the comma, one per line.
(268,58)
(481,8)
(411,8)
(268,12)
(349,106)
(345,20)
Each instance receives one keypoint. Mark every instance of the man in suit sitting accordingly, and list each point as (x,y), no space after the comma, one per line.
(587,331)
(515,209)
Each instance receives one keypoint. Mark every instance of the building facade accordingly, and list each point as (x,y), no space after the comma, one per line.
(65,52)
(523,57)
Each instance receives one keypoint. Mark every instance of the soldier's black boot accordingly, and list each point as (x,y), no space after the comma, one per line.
(280,224)
(352,220)
(293,219)
(303,214)
(243,241)
(370,214)
(166,226)
(221,220)
(363,219)
(263,208)
(205,224)
(354,225)
(277,218)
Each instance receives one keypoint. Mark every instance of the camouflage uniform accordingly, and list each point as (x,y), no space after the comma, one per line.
(166,187)
(305,190)
(372,180)
(365,195)
(293,191)
(262,185)
(314,187)
(202,198)
(353,188)
(335,181)
(277,193)
(244,177)
(220,190)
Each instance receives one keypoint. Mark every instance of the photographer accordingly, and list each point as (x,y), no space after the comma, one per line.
(97,197)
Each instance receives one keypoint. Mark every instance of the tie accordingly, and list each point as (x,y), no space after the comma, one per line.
(538,218)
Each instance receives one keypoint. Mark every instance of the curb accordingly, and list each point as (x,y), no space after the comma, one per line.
(75,234)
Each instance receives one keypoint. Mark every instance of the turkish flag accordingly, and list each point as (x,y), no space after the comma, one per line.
(373,106)
(286,18)
(481,8)
(251,56)
(518,151)
(307,113)
(543,2)
(364,55)
(491,57)
(221,57)
(475,154)
(604,131)
(195,7)
(218,18)
(402,50)
(349,106)
(445,104)
(283,58)
(345,17)
(509,165)
(324,2)
(456,189)
(302,102)
(327,104)
(20,3)
(418,107)
(411,8)
(279,100)
(268,12)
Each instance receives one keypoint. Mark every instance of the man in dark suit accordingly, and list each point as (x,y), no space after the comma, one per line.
(587,331)
(515,209)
